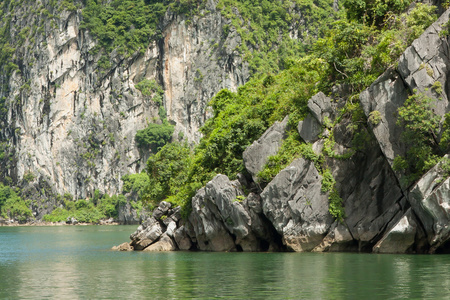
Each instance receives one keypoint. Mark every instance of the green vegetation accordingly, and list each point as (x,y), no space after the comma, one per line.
(12,206)
(421,135)
(86,211)
(154,137)
(128,26)
(265,26)
(167,172)
(151,88)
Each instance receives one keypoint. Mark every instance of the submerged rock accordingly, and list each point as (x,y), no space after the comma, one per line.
(123,247)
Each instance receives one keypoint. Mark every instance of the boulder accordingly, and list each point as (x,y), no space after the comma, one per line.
(255,156)
(161,210)
(182,239)
(430,200)
(400,238)
(295,205)
(371,195)
(164,244)
(171,227)
(320,107)
(209,231)
(123,247)
(338,239)
(222,219)
(385,96)
(72,221)
(309,129)
(147,233)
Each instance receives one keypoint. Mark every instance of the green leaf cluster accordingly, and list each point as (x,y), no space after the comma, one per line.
(151,88)
(426,142)
(12,206)
(167,172)
(266,29)
(154,137)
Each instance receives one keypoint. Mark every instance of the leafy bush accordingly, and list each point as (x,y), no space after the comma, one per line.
(86,211)
(167,172)
(12,206)
(154,137)
(135,183)
(151,88)
(421,131)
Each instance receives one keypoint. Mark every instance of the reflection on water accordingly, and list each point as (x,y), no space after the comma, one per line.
(75,262)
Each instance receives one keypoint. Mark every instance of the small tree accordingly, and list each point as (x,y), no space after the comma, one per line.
(154,137)
(421,131)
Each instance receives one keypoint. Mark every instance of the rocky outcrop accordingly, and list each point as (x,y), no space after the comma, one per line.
(430,200)
(222,219)
(157,233)
(256,155)
(423,68)
(296,206)
(401,237)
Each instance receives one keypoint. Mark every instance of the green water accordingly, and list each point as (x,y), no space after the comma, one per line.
(74,262)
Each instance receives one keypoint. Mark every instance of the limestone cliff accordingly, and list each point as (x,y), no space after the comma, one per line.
(70,126)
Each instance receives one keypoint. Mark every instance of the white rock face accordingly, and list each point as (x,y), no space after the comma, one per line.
(73,125)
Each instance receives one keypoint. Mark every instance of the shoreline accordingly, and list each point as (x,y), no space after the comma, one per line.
(43,223)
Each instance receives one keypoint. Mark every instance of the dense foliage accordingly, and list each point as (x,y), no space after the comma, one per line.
(154,137)
(87,211)
(12,206)
(426,146)
(265,27)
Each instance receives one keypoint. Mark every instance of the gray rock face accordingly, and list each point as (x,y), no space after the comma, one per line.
(164,244)
(158,233)
(430,200)
(372,197)
(423,64)
(338,239)
(255,156)
(297,208)
(400,238)
(123,247)
(386,95)
(309,129)
(150,233)
(422,67)
(320,107)
(222,221)
(182,239)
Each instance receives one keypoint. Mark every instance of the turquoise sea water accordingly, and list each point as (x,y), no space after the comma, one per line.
(75,262)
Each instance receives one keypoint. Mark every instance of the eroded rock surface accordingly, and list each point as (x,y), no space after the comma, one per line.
(255,156)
